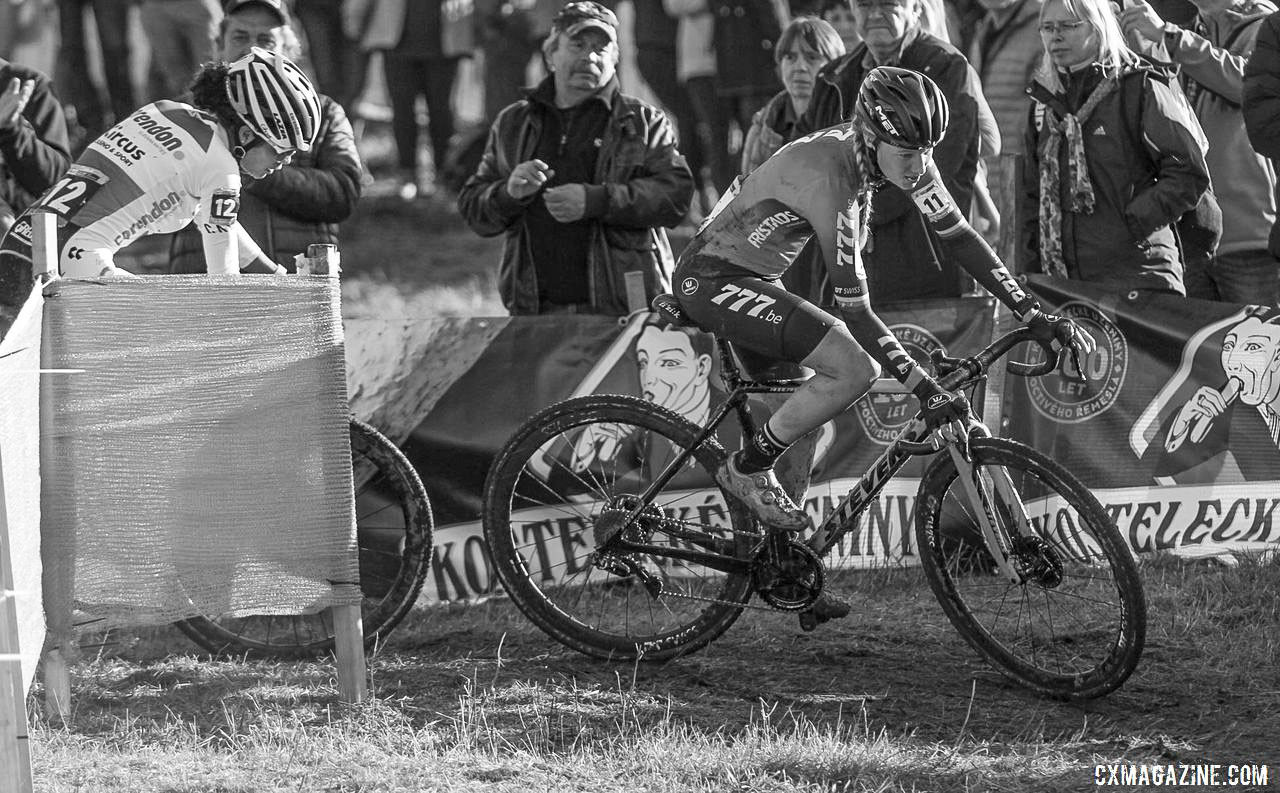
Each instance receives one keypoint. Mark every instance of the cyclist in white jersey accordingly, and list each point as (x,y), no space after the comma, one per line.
(819,187)
(171,164)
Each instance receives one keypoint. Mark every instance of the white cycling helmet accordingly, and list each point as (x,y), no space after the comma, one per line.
(274,99)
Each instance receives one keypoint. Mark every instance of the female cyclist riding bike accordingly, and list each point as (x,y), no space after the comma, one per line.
(170,164)
(821,186)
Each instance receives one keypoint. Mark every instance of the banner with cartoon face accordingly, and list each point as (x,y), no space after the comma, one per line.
(518,366)
(1174,420)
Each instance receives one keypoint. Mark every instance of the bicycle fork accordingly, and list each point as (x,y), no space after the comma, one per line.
(986,487)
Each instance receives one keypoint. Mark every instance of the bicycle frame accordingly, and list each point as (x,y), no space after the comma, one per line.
(844,518)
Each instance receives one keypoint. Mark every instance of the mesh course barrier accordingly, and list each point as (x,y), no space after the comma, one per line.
(201,462)
(20,478)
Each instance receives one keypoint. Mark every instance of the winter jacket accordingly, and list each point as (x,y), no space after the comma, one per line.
(745,34)
(1146,160)
(1212,58)
(34,153)
(300,204)
(378,24)
(775,122)
(903,255)
(1262,100)
(1005,56)
(647,183)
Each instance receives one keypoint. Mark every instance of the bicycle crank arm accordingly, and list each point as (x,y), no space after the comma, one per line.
(725,564)
(981,505)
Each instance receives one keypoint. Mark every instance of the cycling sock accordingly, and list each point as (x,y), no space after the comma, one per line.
(760,452)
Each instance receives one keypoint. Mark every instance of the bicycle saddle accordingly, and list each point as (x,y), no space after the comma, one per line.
(668,307)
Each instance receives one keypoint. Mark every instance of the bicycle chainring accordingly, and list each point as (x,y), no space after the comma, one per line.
(787,575)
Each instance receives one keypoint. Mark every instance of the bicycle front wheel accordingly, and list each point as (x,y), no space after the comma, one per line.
(549,497)
(1073,627)
(393,535)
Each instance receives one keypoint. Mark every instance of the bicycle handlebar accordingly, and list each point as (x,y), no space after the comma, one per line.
(953,371)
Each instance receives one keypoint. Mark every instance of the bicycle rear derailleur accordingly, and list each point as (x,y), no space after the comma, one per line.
(788,575)
(612,523)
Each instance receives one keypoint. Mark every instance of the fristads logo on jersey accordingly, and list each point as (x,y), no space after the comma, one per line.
(883,416)
(1095,388)
(765,228)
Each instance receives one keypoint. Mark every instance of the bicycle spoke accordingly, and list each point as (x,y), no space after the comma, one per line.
(1062,622)
(591,464)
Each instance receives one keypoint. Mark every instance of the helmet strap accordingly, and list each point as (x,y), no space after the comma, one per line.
(244,138)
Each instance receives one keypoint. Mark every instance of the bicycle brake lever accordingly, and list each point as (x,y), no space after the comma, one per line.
(961,442)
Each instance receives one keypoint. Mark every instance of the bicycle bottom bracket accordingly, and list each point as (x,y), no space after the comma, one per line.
(1037,561)
(787,575)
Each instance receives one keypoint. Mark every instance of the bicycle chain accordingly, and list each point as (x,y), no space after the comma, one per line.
(667,522)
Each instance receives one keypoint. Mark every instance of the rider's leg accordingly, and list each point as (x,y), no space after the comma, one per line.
(842,372)
(761,316)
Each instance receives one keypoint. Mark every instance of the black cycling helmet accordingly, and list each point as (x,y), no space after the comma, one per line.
(902,108)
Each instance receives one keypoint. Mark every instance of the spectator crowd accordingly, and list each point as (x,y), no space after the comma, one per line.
(1129,144)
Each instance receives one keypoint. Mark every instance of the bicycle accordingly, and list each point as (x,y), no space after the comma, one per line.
(393,534)
(600,540)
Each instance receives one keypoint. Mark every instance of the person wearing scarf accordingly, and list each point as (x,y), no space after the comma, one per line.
(1114,157)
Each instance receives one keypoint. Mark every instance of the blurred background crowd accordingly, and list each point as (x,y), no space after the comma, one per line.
(1067,162)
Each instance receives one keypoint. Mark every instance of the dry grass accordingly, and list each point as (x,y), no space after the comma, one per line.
(469,697)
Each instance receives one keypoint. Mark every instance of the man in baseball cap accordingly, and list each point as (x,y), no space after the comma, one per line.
(582,51)
(581,178)
(579,16)
(274,8)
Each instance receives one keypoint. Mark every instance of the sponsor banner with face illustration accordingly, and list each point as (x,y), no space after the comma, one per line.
(1173,420)
(530,363)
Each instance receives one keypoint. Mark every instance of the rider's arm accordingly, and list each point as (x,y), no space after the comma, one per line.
(841,249)
(228,248)
(959,240)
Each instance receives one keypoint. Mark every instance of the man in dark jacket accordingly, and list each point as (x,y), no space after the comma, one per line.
(34,152)
(580,178)
(902,255)
(304,201)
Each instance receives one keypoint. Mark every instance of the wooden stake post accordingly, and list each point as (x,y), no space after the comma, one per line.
(56,674)
(348,629)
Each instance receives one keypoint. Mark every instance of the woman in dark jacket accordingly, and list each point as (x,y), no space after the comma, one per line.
(805,46)
(1114,157)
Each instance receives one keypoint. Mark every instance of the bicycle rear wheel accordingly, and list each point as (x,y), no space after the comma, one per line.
(393,535)
(1074,627)
(544,498)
